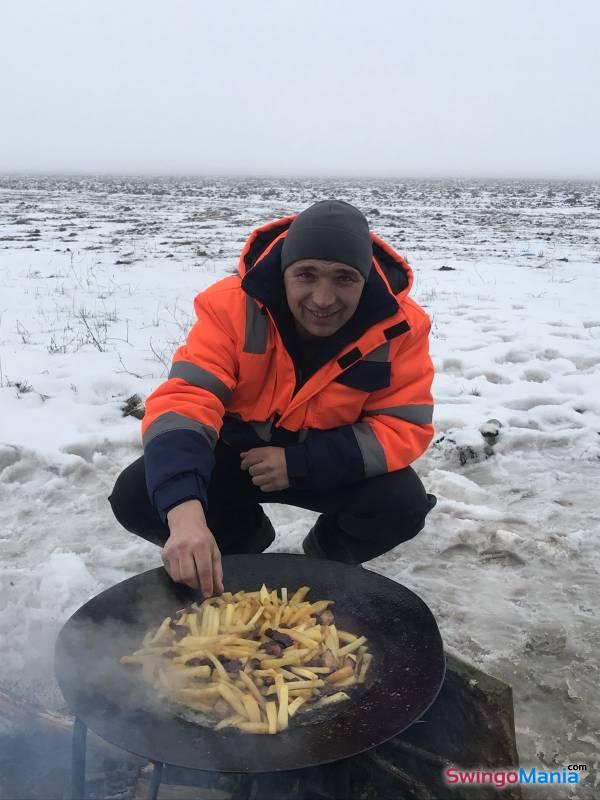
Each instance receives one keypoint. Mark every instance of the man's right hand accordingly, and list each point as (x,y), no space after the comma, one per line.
(191,554)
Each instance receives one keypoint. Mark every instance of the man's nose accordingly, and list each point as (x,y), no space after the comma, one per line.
(323,295)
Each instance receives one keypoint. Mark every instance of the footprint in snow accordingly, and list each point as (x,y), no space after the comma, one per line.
(527,403)
(535,375)
(514,357)
(491,377)
(453,366)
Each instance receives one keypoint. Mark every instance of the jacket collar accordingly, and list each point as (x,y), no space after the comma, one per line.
(264,282)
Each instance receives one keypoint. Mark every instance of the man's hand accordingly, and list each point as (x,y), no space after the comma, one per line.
(268,468)
(191,554)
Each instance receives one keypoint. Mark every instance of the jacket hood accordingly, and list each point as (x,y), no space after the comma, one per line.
(392,267)
(388,282)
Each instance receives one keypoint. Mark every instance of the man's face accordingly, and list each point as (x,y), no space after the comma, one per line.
(322,295)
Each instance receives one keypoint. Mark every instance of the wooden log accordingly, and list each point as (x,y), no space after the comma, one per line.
(170,791)
(21,716)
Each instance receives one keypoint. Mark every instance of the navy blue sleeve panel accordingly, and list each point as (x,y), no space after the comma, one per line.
(178,465)
(325,460)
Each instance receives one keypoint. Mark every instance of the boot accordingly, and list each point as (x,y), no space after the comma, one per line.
(312,544)
(253,533)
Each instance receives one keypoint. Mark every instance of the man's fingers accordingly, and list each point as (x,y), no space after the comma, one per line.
(251,457)
(172,567)
(258,469)
(187,571)
(217,571)
(250,461)
(261,480)
(204,568)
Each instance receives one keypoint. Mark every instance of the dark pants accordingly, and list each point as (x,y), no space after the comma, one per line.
(357,523)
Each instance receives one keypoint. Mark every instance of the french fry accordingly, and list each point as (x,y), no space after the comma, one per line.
(252,688)
(282,715)
(314,633)
(196,672)
(234,701)
(295,657)
(272,717)
(335,638)
(264,595)
(229,722)
(252,708)
(253,727)
(331,642)
(299,595)
(320,606)
(295,705)
(305,693)
(163,630)
(193,623)
(214,622)
(289,676)
(352,646)
(257,616)
(219,669)
(310,674)
(138,660)
(201,695)
(340,675)
(298,685)
(364,667)
(330,699)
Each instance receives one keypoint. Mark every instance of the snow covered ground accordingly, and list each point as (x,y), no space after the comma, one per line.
(97,278)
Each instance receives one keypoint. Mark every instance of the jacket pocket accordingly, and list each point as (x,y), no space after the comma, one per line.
(367,376)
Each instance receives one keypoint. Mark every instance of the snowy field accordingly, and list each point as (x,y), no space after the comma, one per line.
(97,281)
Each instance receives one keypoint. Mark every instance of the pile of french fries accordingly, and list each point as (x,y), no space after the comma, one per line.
(253,660)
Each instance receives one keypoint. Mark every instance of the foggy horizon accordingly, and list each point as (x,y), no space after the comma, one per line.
(434,91)
(480,178)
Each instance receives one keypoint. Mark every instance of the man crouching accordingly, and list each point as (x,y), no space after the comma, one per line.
(306,380)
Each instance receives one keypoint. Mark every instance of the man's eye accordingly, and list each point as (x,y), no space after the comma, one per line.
(305,275)
(346,279)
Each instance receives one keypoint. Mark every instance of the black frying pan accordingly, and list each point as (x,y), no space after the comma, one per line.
(405,676)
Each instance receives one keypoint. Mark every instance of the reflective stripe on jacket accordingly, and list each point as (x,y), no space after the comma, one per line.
(366,410)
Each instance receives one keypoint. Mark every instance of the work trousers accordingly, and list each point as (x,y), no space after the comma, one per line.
(356,523)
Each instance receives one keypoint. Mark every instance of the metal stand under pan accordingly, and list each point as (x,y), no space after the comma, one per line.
(327,781)
(470,723)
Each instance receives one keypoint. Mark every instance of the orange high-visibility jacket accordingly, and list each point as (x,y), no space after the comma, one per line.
(366,410)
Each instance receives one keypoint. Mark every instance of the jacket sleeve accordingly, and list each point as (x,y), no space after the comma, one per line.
(185,413)
(394,430)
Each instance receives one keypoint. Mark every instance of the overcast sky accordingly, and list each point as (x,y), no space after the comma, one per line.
(351,87)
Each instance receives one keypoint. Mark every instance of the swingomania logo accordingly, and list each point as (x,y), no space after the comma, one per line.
(506,777)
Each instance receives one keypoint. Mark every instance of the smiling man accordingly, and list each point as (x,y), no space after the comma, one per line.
(306,380)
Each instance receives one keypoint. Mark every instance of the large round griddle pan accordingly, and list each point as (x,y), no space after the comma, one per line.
(405,677)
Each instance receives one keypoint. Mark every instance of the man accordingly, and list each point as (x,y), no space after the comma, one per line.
(305,380)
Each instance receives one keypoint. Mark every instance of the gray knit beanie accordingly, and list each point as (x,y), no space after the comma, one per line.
(332,230)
